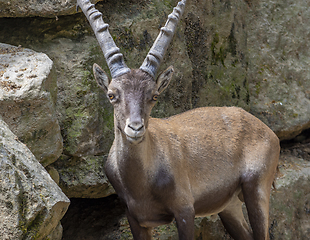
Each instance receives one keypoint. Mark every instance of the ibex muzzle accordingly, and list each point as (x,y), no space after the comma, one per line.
(134,125)
(202,162)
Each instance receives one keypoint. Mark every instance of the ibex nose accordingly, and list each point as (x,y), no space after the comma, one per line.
(134,129)
(136,126)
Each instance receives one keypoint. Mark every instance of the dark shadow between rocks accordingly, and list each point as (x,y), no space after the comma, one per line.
(298,146)
(93,219)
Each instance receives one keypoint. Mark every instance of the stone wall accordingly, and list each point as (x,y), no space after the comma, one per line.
(225,53)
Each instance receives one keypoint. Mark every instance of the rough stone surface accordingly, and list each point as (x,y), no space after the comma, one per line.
(216,41)
(85,116)
(278,70)
(290,213)
(56,234)
(32,8)
(27,100)
(83,177)
(31,203)
(53,173)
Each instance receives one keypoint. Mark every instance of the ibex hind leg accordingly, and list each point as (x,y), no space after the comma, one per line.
(256,195)
(233,220)
(138,232)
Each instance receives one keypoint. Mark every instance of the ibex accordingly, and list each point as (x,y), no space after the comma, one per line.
(202,162)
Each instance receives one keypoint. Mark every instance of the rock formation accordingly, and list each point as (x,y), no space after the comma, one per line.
(251,54)
(28,92)
(31,203)
(278,70)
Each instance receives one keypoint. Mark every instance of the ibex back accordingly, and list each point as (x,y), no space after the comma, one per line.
(201,162)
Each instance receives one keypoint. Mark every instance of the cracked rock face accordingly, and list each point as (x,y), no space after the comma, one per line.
(31,203)
(27,99)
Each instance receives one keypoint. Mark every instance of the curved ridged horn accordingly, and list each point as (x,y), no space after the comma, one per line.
(156,54)
(111,52)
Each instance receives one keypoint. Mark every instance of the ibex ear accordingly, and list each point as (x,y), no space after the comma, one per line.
(101,77)
(164,79)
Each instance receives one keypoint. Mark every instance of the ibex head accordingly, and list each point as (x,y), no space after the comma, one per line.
(133,96)
(133,93)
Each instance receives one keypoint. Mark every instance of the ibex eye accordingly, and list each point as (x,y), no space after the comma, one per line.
(111,96)
(155,97)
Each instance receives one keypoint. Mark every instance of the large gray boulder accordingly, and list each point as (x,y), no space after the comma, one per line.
(31,203)
(32,8)
(27,100)
(279,59)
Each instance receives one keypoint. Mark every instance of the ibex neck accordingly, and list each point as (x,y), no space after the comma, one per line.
(132,153)
(129,148)
(132,161)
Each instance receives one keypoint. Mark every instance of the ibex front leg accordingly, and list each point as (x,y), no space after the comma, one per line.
(185,223)
(138,232)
